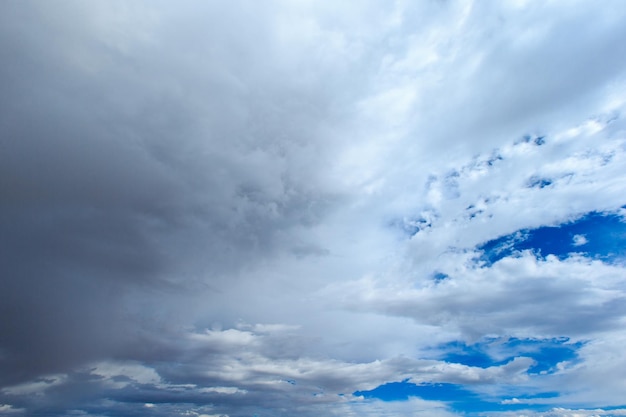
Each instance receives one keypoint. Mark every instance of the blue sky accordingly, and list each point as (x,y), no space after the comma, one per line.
(593,235)
(312,208)
(547,355)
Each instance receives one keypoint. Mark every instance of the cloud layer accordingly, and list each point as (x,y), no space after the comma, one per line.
(237,209)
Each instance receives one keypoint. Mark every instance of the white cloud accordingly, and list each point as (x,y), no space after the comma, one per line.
(414,407)
(135,372)
(37,387)
(579,240)
(9,409)
(563,412)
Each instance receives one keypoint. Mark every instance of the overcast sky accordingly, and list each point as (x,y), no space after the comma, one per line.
(312,208)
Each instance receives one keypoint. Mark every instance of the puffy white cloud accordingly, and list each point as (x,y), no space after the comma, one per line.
(579,240)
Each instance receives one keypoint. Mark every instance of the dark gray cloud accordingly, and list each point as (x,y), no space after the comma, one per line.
(132,166)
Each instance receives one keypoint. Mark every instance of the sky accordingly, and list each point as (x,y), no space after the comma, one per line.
(312,208)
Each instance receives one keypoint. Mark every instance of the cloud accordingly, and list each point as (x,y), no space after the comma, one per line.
(564,412)
(244,369)
(245,208)
(8,409)
(520,296)
(579,240)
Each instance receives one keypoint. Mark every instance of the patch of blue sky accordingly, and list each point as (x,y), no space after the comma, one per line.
(439,276)
(547,353)
(539,182)
(412,225)
(538,140)
(595,235)
(399,391)
(471,355)
(458,397)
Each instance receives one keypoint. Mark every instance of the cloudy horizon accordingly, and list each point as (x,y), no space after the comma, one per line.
(266,209)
